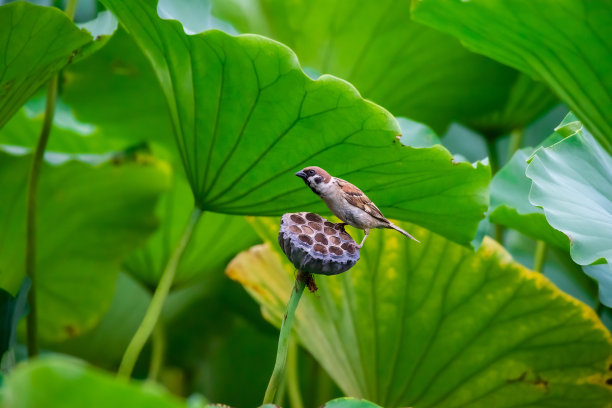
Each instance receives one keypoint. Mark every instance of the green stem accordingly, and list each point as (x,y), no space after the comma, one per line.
(283,340)
(540,256)
(279,398)
(494,163)
(499,233)
(293,383)
(158,340)
(32,200)
(161,292)
(71,8)
(516,141)
(493,155)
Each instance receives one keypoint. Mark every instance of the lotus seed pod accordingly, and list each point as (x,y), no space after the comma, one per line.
(315,245)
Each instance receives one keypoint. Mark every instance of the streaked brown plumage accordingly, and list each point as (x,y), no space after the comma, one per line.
(347,202)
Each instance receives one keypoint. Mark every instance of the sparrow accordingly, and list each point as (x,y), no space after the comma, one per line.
(347,202)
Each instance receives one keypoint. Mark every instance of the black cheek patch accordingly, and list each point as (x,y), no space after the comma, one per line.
(318,180)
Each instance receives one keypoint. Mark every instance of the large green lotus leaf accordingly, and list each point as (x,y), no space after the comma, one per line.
(408,68)
(510,204)
(69,383)
(246,118)
(89,218)
(116,89)
(216,239)
(510,188)
(37,42)
(572,183)
(566,43)
(437,325)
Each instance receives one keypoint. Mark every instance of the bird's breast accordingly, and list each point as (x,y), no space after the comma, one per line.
(353,216)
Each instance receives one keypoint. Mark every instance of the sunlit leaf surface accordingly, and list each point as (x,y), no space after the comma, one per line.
(89,218)
(247,118)
(436,325)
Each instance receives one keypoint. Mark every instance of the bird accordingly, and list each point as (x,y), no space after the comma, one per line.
(347,202)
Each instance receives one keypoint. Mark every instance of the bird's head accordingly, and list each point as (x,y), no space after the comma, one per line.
(315,177)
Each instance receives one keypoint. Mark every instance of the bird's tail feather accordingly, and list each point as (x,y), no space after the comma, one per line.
(398,229)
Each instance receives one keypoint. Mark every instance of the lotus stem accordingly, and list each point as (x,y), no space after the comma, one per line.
(32,201)
(158,339)
(493,155)
(283,339)
(516,141)
(540,256)
(161,292)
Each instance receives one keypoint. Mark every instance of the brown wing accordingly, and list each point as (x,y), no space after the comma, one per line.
(356,197)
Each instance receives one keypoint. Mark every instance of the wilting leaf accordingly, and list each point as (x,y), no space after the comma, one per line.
(408,68)
(37,42)
(572,183)
(89,218)
(565,43)
(216,239)
(246,118)
(436,325)
(70,383)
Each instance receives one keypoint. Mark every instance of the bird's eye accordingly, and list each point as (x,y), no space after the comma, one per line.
(310,172)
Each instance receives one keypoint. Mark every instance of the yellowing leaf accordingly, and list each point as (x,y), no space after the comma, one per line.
(436,325)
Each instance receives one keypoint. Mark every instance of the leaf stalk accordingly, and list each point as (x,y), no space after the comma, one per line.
(540,256)
(283,340)
(158,339)
(161,293)
(516,141)
(31,206)
(32,201)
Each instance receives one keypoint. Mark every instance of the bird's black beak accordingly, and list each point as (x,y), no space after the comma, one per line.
(301,174)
